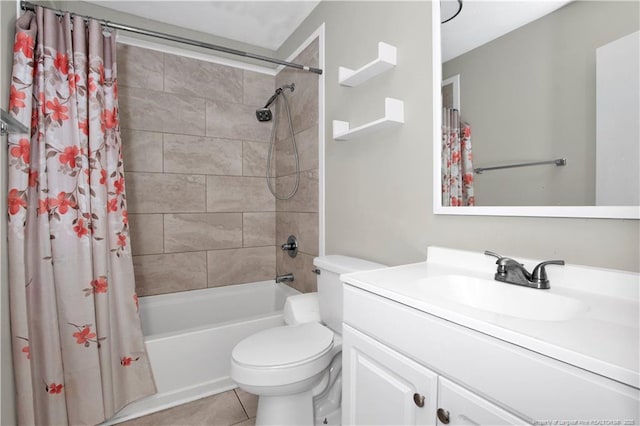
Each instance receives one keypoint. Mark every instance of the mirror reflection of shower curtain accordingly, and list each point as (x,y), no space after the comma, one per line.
(457,161)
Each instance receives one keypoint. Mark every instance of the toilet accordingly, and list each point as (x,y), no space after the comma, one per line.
(296,369)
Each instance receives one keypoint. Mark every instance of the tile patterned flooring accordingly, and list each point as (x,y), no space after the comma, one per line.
(232,408)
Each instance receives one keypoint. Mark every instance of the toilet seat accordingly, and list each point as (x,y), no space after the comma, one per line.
(282,355)
(284,346)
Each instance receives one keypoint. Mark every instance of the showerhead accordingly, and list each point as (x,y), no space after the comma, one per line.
(264,114)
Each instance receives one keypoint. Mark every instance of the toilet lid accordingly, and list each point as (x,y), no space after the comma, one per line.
(280,346)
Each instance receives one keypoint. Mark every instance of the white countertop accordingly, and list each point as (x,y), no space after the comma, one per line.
(604,339)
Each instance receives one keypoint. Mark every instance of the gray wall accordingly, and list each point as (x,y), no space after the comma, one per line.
(7,388)
(379,188)
(530,95)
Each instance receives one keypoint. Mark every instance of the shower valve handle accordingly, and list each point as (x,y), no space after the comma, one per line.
(291,246)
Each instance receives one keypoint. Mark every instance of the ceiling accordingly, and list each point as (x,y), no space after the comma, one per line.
(265,24)
(268,24)
(481,21)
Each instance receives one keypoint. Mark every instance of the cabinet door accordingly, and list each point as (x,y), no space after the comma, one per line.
(382,387)
(458,406)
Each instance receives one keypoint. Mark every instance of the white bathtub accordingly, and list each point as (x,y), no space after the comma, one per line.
(190,336)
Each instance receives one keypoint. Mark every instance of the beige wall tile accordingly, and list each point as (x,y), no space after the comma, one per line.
(168,145)
(237,266)
(138,67)
(142,151)
(300,266)
(222,409)
(200,155)
(254,158)
(306,199)
(142,109)
(146,233)
(303,225)
(258,229)
(307,145)
(258,88)
(202,231)
(311,54)
(165,193)
(299,216)
(235,121)
(238,194)
(168,273)
(303,104)
(279,108)
(304,100)
(187,76)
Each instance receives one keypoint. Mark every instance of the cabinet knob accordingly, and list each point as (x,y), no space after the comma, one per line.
(443,416)
(418,399)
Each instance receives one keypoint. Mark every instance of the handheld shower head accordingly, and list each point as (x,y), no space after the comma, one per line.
(264,114)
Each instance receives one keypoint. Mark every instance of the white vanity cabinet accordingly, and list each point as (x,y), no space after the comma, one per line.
(384,387)
(457,406)
(392,352)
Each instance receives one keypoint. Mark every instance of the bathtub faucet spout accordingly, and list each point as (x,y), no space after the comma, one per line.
(286,278)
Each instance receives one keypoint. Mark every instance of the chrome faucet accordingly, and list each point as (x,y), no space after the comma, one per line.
(513,272)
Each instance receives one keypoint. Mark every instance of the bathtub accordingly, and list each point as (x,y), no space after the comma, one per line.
(190,335)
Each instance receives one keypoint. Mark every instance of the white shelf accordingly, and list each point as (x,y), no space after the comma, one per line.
(385,61)
(393,116)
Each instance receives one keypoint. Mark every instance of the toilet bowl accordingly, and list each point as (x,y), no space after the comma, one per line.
(296,369)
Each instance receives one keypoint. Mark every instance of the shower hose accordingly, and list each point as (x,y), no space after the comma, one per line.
(270,177)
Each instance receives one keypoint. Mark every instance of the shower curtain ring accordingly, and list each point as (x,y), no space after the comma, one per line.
(107,31)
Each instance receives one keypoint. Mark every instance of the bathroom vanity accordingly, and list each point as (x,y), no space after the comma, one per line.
(441,342)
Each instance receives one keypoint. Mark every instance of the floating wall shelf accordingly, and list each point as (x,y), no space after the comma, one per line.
(385,61)
(393,116)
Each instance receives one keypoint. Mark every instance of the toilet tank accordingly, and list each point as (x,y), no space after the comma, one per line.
(330,297)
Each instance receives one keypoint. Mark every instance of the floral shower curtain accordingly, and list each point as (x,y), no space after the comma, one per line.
(457,166)
(78,349)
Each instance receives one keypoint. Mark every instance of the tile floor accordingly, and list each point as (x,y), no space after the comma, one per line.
(232,408)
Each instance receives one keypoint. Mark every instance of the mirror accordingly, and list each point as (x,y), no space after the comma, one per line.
(539,82)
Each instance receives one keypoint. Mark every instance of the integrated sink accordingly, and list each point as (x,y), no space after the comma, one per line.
(589,318)
(501,298)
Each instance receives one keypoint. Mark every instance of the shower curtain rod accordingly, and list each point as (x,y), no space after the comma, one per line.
(25,5)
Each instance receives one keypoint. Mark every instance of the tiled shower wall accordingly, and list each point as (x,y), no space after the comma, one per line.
(299,215)
(195,156)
